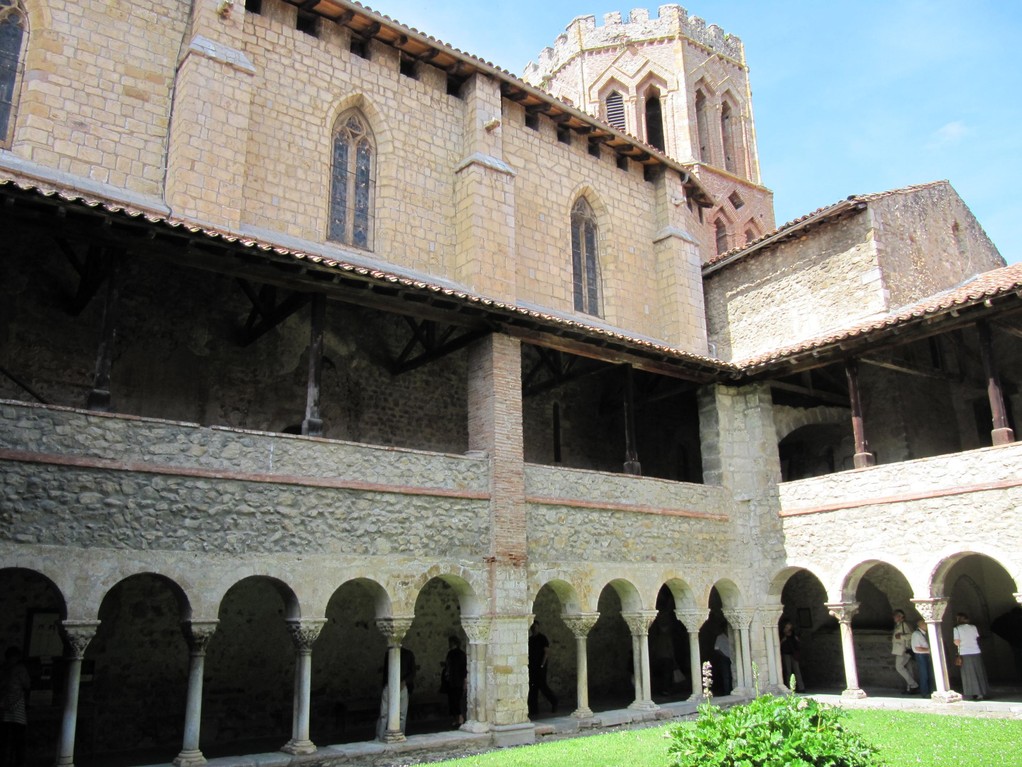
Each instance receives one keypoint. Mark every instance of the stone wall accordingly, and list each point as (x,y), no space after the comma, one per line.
(928,241)
(795,290)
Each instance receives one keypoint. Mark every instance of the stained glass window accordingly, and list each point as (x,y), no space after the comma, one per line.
(353,180)
(12,42)
(585,258)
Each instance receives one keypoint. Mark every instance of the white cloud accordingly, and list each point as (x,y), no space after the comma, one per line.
(948,135)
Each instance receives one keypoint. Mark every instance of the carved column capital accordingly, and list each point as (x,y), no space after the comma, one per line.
(843,611)
(394,629)
(477,629)
(198,634)
(932,610)
(739,618)
(692,618)
(305,631)
(640,621)
(771,615)
(78,635)
(581,624)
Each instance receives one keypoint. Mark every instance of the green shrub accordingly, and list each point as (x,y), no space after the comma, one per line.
(770,731)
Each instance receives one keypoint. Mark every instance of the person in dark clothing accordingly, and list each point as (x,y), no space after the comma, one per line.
(455,675)
(539,654)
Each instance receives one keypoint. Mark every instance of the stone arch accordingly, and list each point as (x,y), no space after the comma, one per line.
(684,595)
(849,583)
(938,586)
(566,594)
(459,579)
(631,599)
(292,605)
(379,124)
(789,419)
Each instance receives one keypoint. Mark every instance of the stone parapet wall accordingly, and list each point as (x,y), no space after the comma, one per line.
(141,443)
(634,520)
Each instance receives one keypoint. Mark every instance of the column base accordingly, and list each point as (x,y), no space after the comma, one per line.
(853,693)
(393,736)
(473,726)
(1002,436)
(189,759)
(299,747)
(514,734)
(946,697)
(643,705)
(863,460)
(582,712)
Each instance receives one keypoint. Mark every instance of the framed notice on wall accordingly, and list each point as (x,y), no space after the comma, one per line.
(44,635)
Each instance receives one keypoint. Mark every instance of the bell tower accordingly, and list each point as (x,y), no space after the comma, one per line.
(682,87)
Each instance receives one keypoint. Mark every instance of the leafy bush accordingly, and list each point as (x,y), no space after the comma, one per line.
(770,731)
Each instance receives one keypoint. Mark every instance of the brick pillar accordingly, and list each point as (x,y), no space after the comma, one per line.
(210,120)
(484,194)
(678,267)
(495,427)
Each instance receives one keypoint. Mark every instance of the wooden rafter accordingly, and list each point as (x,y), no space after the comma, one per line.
(435,341)
(267,312)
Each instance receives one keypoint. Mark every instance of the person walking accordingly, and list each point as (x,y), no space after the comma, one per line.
(790,655)
(539,655)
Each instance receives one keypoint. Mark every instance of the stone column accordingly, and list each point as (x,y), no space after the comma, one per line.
(580,625)
(639,623)
(477,630)
(198,634)
(770,616)
(78,635)
(394,630)
(303,633)
(1002,433)
(863,457)
(693,620)
(932,611)
(740,621)
(844,611)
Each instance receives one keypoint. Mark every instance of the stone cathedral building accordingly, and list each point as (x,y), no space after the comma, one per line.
(320,338)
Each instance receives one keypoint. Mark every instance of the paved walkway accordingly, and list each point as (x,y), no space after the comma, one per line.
(433,746)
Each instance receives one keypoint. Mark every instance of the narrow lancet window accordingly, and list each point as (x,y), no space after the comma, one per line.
(13,26)
(616,110)
(654,121)
(352,183)
(702,128)
(721,235)
(727,134)
(585,261)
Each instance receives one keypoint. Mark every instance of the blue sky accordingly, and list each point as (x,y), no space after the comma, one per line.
(849,98)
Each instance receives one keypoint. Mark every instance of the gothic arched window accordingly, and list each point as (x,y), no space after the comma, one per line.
(654,120)
(585,258)
(702,128)
(721,230)
(13,27)
(353,181)
(727,134)
(616,110)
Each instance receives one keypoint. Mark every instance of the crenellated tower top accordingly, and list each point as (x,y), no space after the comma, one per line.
(671,22)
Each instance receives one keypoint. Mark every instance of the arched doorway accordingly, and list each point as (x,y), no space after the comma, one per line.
(611,663)
(32,609)
(880,590)
(819,640)
(347,666)
(669,652)
(980,587)
(552,638)
(250,670)
(135,673)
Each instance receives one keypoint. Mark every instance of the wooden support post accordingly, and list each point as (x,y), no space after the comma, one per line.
(99,396)
(863,457)
(313,424)
(1001,433)
(632,465)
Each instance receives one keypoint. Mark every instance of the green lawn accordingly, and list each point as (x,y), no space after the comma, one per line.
(904,740)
